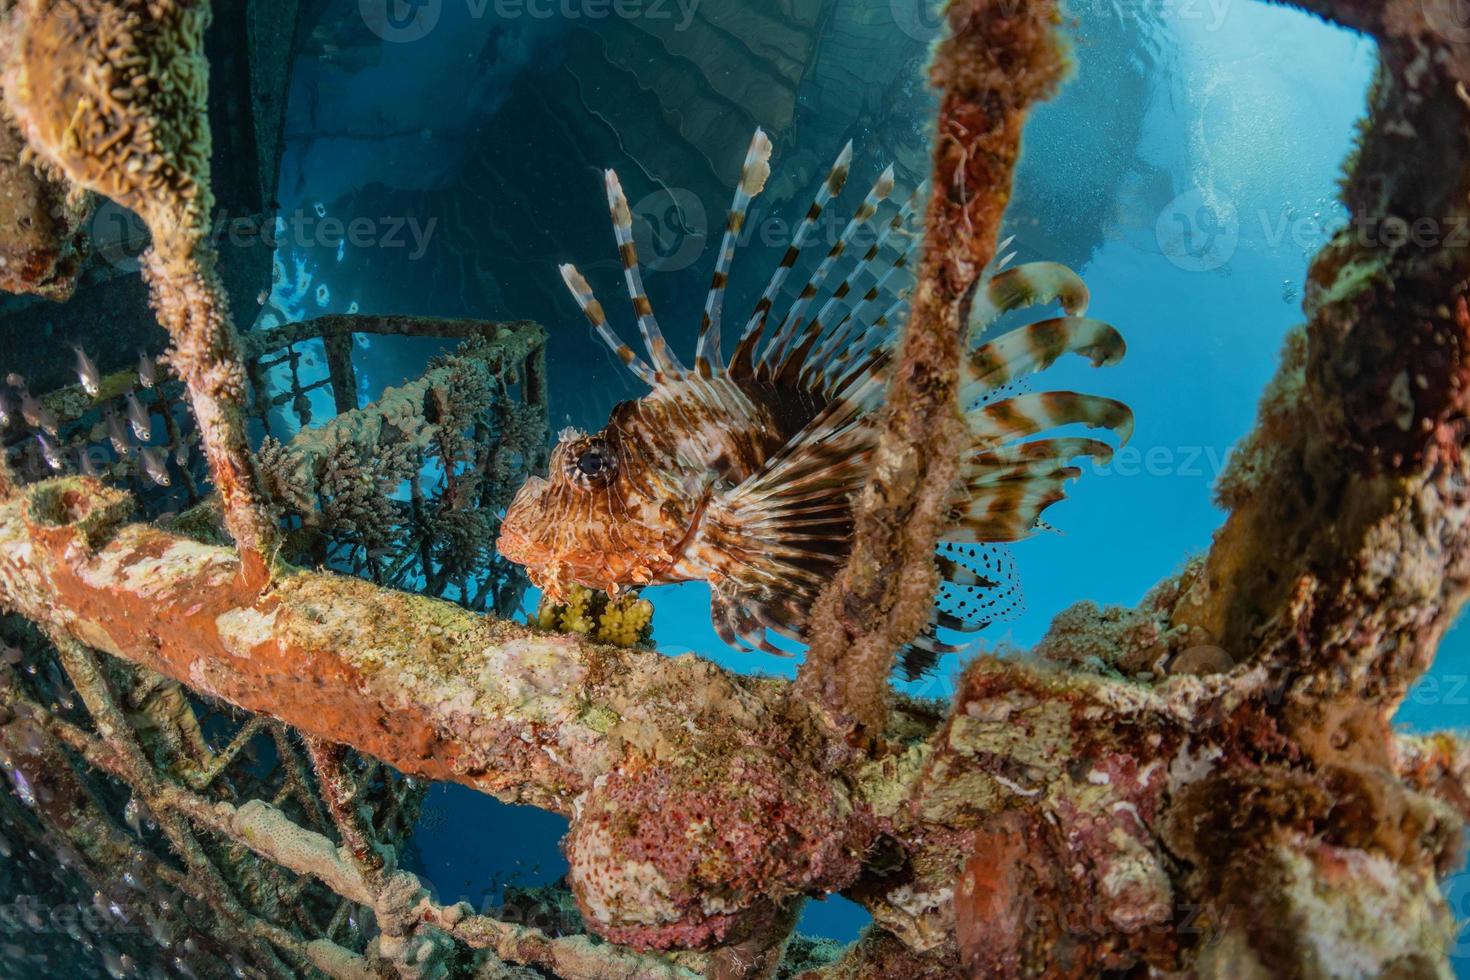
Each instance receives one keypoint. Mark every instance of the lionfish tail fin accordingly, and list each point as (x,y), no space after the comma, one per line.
(979,586)
(921,654)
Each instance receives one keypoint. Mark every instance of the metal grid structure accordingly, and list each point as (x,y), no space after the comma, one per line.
(119,779)
(134,796)
(436,502)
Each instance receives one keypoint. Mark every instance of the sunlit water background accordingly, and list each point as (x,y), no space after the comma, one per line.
(1188,171)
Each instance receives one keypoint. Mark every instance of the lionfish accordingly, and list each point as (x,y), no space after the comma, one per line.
(744,473)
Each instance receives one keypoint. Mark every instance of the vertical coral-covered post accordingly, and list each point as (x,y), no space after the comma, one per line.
(1001,56)
(114,93)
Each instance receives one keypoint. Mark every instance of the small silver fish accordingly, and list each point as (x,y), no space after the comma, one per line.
(155,465)
(147,370)
(50,452)
(181,454)
(16,380)
(138,418)
(37,415)
(117,434)
(87,372)
(86,464)
(7,410)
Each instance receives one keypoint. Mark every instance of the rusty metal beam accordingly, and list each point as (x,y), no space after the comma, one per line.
(432,689)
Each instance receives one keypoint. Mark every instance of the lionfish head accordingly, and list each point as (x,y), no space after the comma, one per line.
(592,520)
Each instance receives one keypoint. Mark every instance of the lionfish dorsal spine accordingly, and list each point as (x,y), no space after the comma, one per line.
(851,333)
(753,174)
(592,309)
(663,359)
(743,360)
(784,340)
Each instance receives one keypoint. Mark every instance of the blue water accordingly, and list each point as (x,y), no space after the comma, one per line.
(1188,172)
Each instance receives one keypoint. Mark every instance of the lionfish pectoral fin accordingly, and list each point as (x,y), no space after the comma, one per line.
(772,543)
(1007,482)
(736,619)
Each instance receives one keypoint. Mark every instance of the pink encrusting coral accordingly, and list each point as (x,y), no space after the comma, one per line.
(677,856)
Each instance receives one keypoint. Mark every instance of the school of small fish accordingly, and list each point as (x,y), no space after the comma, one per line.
(127,437)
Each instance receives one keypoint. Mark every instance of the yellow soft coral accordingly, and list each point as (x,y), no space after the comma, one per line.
(626,621)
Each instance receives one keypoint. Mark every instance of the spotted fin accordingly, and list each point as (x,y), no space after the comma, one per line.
(979,585)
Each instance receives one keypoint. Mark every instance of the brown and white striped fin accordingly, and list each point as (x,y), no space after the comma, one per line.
(1035,347)
(1027,285)
(774,541)
(743,361)
(1004,490)
(1015,418)
(838,323)
(659,355)
(592,309)
(790,328)
(880,332)
(753,175)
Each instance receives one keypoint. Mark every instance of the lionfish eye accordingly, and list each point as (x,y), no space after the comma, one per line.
(594,462)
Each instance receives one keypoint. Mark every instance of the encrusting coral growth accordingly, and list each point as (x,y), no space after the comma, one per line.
(997,62)
(41,239)
(1206,785)
(113,93)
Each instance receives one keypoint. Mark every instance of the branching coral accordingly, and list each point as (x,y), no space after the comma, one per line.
(360,480)
(625,621)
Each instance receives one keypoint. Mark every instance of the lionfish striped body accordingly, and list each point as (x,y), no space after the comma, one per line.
(744,474)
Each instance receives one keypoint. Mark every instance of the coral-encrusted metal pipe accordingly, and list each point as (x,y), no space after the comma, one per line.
(422,684)
(997,62)
(641,749)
